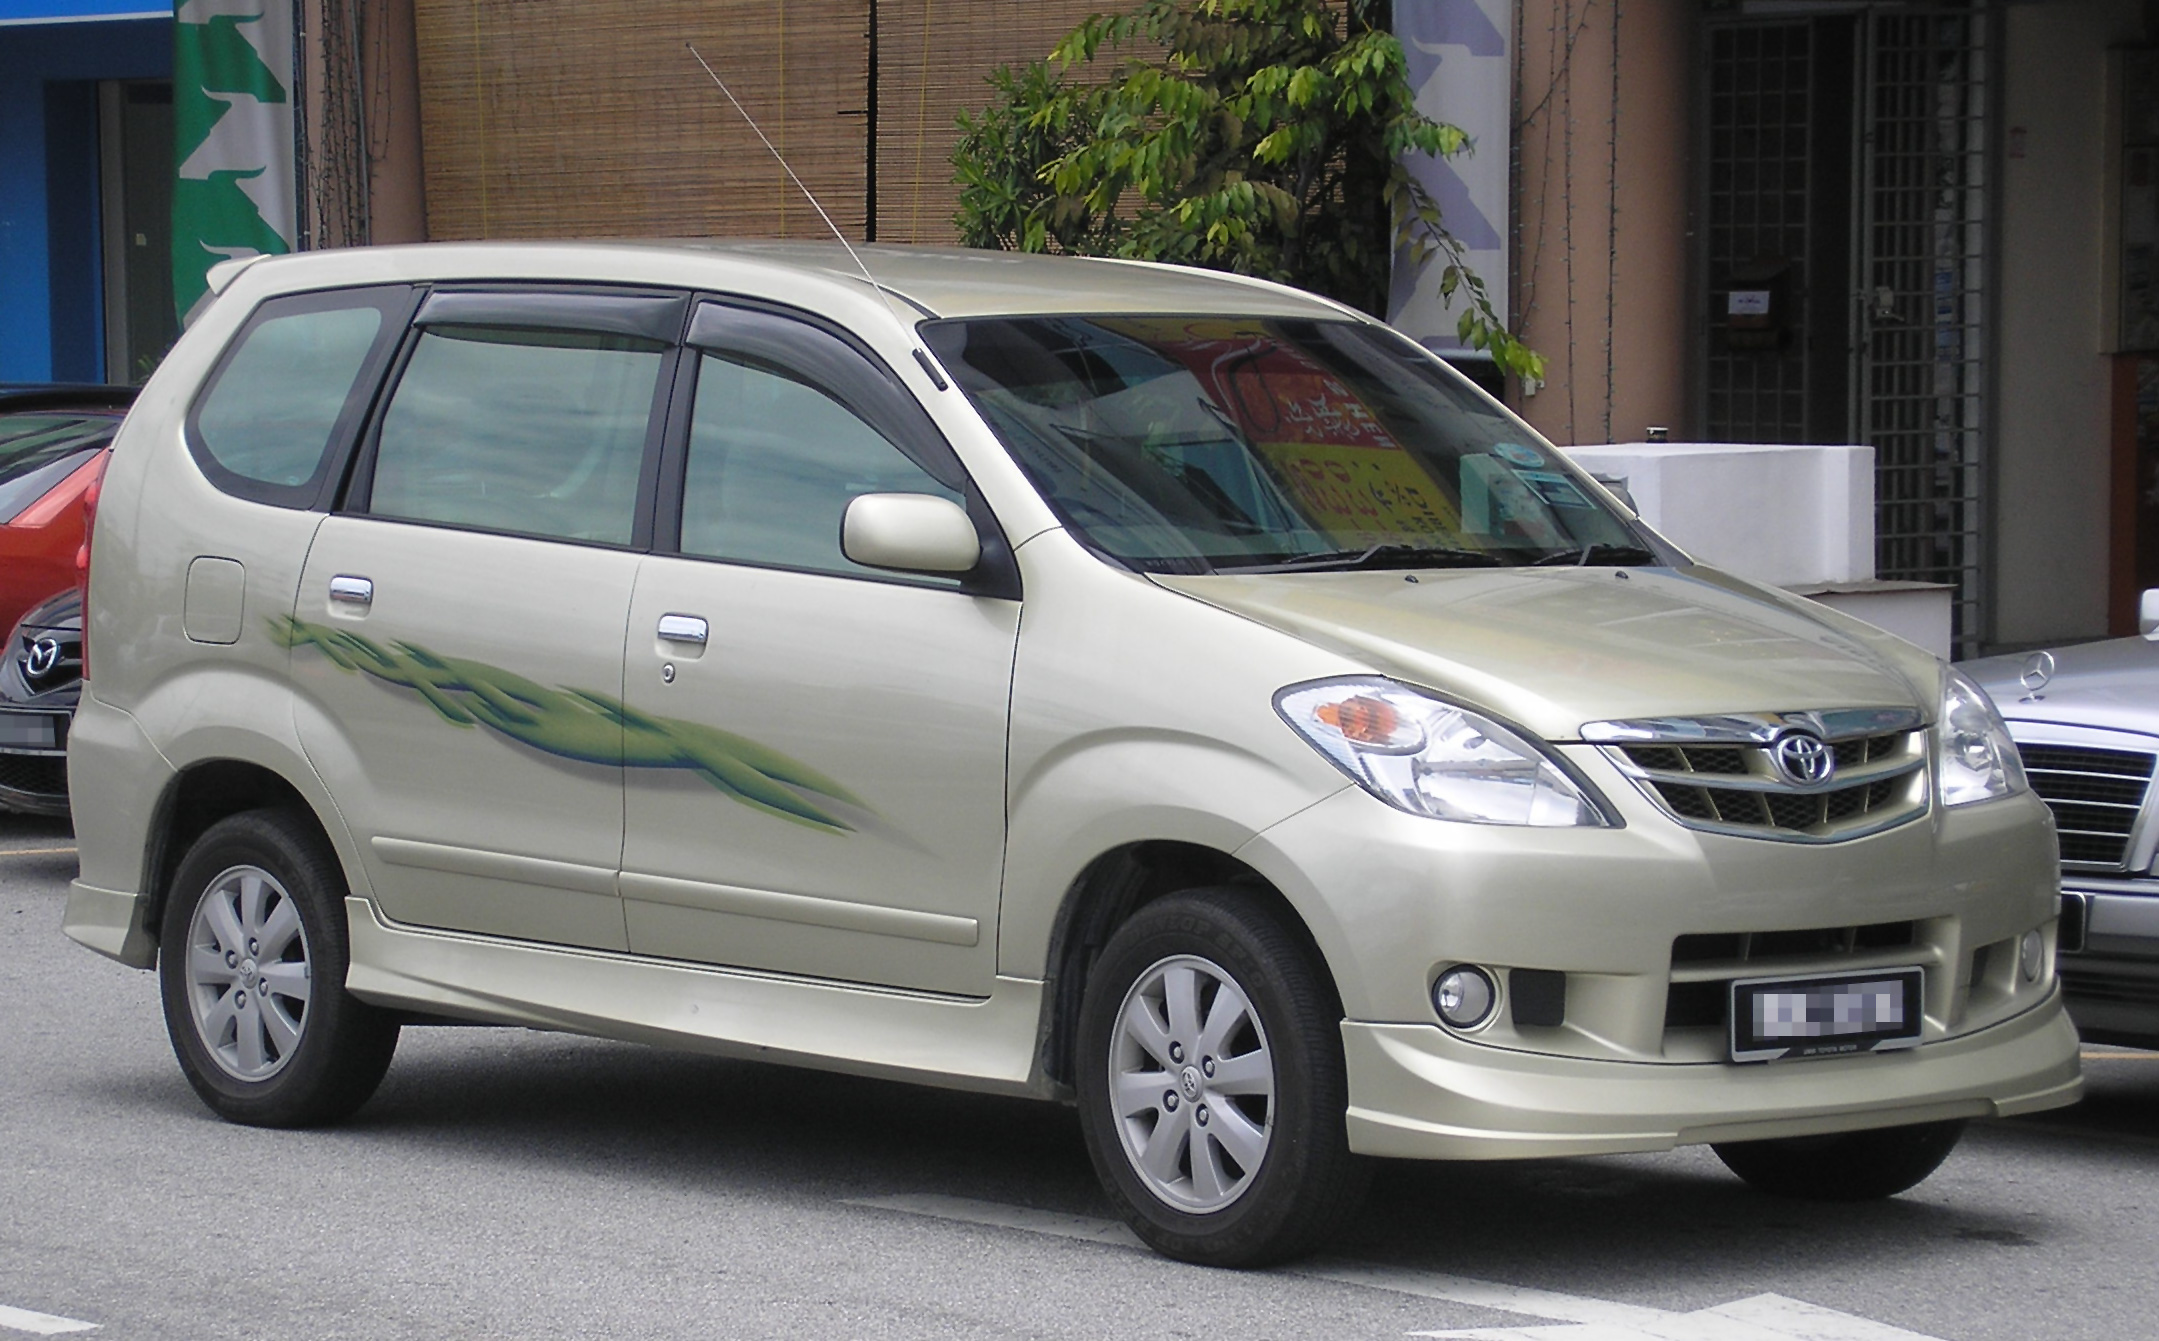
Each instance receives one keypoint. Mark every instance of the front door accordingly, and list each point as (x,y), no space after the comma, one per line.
(458,639)
(816,749)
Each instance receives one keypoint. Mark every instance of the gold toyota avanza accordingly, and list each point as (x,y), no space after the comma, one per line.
(1157,691)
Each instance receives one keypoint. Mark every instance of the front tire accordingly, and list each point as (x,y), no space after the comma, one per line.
(1848,1166)
(1212,1089)
(251,967)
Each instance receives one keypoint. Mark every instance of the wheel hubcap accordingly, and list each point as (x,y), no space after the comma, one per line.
(248,978)
(1192,1082)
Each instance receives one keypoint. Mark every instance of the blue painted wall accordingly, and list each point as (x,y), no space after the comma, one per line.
(51,302)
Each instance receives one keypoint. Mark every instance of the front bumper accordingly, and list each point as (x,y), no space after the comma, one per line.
(2110,958)
(33,760)
(1419,1092)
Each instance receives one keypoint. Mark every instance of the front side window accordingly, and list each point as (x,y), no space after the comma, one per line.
(775,455)
(267,424)
(539,432)
(1217,444)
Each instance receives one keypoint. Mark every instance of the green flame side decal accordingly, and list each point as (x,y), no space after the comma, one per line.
(581,725)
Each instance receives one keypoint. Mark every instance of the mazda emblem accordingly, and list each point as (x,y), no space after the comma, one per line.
(1804,758)
(43,656)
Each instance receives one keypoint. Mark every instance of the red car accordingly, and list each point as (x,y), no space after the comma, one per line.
(53,444)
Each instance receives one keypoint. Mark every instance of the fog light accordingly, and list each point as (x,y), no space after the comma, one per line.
(1463,996)
(2031,953)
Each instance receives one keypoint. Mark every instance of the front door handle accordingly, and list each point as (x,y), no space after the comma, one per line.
(349,590)
(684,629)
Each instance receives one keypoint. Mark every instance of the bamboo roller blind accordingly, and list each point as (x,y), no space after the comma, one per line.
(933,57)
(590,118)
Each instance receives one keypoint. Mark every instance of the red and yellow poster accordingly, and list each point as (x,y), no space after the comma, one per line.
(1325,447)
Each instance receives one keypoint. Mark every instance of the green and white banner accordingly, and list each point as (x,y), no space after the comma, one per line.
(232,115)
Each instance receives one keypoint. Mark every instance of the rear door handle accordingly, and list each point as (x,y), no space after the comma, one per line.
(349,590)
(684,629)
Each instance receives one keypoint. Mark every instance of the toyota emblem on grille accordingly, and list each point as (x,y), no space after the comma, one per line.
(1803,758)
(44,654)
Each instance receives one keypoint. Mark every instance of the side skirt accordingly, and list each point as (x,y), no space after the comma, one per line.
(973,1043)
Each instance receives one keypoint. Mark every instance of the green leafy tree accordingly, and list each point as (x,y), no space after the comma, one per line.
(1263,137)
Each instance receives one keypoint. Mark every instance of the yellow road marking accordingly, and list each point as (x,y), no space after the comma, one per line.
(31,851)
(2121,1056)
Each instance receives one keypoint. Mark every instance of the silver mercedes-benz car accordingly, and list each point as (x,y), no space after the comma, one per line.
(2086,720)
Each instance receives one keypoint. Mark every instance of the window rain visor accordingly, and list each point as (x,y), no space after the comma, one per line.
(1432,758)
(1220,444)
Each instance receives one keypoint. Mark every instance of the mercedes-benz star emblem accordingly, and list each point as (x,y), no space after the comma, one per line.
(1803,758)
(2038,670)
(44,654)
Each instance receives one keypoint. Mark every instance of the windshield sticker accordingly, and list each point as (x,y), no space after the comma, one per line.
(1498,503)
(1514,453)
(1555,489)
(584,726)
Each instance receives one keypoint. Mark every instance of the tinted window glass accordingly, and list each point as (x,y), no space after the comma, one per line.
(773,462)
(541,432)
(270,414)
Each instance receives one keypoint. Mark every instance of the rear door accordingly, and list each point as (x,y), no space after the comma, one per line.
(458,639)
(817,748)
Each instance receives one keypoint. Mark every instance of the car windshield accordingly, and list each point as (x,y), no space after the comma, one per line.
(38,450)
(1216,444)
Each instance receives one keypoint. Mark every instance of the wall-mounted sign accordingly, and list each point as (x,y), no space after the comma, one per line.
(1460,64)
(232,127)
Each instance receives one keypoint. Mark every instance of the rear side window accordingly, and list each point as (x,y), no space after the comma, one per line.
(291,389)
(533,431)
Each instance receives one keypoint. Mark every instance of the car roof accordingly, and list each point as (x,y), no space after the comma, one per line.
(88,398)
(937,281)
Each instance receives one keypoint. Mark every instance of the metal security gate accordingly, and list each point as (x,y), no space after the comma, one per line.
(1843,199)
(1758,198)
(1919,251)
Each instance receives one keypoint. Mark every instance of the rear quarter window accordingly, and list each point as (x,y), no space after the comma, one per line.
(291,389)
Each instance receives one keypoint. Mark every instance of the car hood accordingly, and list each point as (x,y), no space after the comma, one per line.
(1554,648)
(2109,684)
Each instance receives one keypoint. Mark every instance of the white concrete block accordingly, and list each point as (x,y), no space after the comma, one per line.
(1788,515)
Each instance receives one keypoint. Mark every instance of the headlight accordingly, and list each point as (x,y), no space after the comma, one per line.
(1431,758)
(1973,754)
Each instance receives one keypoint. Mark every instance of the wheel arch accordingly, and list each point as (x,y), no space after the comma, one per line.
(1105,894)
(198,796)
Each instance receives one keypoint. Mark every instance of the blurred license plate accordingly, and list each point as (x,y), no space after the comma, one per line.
(27,730)
(1825,1016)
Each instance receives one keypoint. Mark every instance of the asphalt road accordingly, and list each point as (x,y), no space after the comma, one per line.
(520,1185)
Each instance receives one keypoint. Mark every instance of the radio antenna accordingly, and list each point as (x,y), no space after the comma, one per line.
(921,357)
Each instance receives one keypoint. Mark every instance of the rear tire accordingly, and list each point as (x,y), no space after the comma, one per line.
(251,967)
(1848,1166)
(1212,1090)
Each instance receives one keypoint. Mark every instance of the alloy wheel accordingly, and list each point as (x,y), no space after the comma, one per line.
(1193,1084)
(248,973)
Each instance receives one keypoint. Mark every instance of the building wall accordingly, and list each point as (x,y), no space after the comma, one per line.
(591,118)
(48,173)
(2052,485)
(1614,336)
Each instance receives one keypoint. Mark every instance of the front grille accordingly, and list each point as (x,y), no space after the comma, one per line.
(1733,787)
(1704,964)
(2095,796)
(38,774)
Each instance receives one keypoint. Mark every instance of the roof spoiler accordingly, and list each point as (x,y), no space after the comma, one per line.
(219,279)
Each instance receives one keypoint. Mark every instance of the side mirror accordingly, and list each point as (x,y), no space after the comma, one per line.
(2148,613)
(910,533)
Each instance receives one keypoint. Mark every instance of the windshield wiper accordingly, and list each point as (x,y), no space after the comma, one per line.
(1391,555)
(1616,555)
